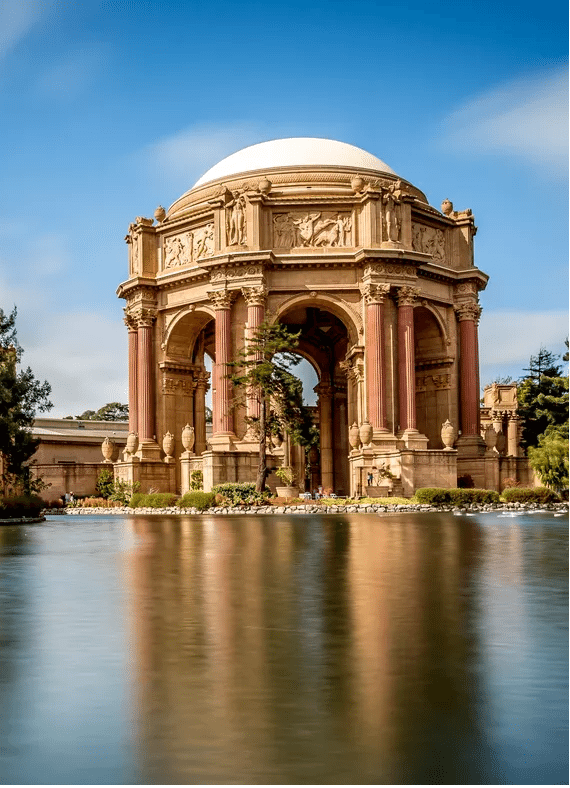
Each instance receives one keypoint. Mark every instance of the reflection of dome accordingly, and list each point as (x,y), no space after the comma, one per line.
(294,152)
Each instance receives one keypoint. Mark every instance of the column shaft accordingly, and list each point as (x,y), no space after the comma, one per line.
(255,317)
(133,380)
(512,437)
(375,370)
(325,425)
(406,367)
(145,383)
(469,378)
(200,415)
(223,408)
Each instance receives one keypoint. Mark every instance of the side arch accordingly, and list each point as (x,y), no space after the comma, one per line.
(337,307)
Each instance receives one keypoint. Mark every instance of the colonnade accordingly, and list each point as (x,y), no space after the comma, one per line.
(140,325)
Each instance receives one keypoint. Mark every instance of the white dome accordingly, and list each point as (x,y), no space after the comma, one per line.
(294,152)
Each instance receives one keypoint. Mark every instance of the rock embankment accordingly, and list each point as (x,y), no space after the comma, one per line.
(321,509)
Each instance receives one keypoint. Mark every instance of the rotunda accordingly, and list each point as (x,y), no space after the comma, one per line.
(328,239)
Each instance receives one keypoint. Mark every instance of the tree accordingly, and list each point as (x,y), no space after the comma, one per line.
(263,373)
(542,397)
(21,395)
(550,458)
(112,411)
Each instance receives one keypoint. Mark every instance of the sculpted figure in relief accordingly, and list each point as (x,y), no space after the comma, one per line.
(203,242)
(186,249)
(391,217)
(311,229)
(429,240)
(235,222)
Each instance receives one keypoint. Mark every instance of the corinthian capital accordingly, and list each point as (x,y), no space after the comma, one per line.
(375,294)
(407,296)
(468,311)
(144,317)
(130,321)
(221,299)
(254,296)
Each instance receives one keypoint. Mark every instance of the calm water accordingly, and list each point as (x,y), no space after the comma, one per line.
(338,649)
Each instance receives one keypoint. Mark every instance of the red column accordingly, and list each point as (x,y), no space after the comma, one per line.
(375,368)
(133,373)
(255,298)
(145,376)
(407,297)
(468,316)
(222,400)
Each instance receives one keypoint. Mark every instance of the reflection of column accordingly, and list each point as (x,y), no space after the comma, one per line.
(145,392)
(325,393)
(375,366)
(255,298)
(222,404)
(200,411)
(468,317)
(513,435)
(407,297)
(131,324)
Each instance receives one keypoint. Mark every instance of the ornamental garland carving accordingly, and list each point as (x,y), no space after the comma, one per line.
(189,247)
(223,274)
(428,240)
(396,269)
(468,311)
(431,382)
(172,385)
(320,228)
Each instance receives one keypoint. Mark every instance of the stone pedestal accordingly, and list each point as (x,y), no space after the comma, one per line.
(157,475)
(413,439)
(189,462)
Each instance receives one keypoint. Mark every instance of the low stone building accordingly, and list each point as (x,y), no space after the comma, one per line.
(70,456)
(328,239)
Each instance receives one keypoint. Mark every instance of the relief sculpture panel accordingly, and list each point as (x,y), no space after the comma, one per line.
(429,240)
(188,248)
(320,228)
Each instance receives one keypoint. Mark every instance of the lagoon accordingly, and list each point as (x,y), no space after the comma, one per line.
(352,648)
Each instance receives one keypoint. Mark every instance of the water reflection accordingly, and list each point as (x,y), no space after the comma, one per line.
(339,649)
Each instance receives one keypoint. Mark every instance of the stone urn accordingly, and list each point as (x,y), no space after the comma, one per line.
(107,449)
(168,447)
(287,492)
(447,207)
(160,214)
(365,433)
(188,438)
(354,436)
(501,442)
(448,435)
(357,184)
(313,455)
(491,438)
(264,186)
(277,440)
(132,443)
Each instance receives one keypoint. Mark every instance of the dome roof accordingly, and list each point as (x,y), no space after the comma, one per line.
(294,152)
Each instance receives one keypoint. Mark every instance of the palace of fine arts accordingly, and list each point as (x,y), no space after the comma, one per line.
(383,289)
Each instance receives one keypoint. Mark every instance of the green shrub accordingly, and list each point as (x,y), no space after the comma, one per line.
(235,494)
(197,499)
(14,506)
(436,496)
(153,500)
(465,496)
(105,484)
(196,480)
(136,499)
(529,495)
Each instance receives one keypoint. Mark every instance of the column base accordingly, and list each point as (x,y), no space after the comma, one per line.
(223,441)
(149,450)
(470,446)
(413,439)
(385,440)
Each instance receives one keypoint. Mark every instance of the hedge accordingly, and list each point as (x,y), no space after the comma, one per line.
(456,496)
(15,506)
(529,495)
(196,499)
(153,500)
(235,494)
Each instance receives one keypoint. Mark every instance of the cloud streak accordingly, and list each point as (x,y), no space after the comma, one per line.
(526,118)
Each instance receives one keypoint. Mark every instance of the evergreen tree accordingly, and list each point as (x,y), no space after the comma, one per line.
(550,458)
(112,411)
(263,373)
(21,395)
(542,397)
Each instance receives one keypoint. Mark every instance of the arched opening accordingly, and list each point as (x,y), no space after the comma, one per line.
(432,376)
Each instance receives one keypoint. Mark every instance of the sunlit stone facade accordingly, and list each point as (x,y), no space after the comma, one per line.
(329,240)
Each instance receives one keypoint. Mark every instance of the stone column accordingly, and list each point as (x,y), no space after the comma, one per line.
(200,411)
(145,375)
(406,298)
(131,324)
(513,435)
(223,422)
(375,362)
(325,392)
(255,298)
(468,316)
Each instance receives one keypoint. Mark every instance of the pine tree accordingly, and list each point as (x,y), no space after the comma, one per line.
(21,395)
(542,397)
(263,373)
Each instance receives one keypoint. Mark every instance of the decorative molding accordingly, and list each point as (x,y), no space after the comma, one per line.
(390,269)
(433,382)
(224,274)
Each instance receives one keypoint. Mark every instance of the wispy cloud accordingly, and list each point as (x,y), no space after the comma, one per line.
(68,77)
(527,118)
(16,19)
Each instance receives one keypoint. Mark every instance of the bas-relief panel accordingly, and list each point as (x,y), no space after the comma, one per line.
(429,240)
(188,248)
(320,228)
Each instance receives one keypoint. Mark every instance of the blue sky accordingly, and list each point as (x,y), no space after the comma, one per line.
(109,108)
